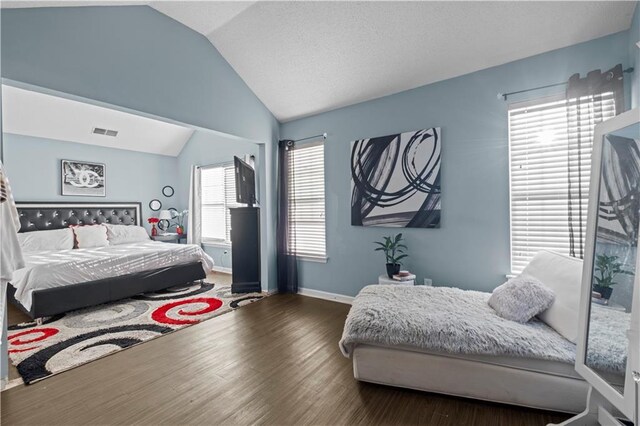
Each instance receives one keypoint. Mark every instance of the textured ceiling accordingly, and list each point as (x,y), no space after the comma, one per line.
(302,58)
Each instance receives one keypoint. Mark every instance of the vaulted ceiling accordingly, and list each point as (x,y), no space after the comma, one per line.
(46,116)
(303,58)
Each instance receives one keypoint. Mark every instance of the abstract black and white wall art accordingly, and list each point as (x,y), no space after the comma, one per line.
(395,180)
(82,178)
(619,203)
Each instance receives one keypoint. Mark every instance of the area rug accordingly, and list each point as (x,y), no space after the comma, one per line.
(75,338)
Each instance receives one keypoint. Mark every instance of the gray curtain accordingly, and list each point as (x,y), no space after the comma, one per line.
(591,89)
(287,262)
(194,235)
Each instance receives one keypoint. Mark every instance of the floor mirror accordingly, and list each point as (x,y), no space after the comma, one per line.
(608,348)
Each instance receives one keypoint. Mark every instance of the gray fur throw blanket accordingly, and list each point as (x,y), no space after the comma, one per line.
(451,320)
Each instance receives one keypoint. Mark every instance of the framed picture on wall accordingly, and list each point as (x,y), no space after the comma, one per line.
(395,180)
(80,178)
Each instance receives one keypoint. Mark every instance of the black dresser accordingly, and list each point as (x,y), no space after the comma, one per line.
(245,249)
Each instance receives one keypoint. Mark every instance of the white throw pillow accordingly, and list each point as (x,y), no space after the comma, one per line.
(521,298)
(563,275)
(125,234)
(55,239)
(90,236)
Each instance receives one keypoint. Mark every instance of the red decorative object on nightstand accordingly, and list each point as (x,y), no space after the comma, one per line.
(153,221)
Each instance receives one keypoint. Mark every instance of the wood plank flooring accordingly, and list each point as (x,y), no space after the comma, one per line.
(272,362)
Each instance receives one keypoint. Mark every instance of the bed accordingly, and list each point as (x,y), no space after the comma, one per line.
(448,340)
(54,282)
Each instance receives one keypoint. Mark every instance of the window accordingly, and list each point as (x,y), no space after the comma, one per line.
(546,157)
(218,195)
(306,200)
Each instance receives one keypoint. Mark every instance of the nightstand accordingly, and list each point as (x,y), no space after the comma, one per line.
(173,238)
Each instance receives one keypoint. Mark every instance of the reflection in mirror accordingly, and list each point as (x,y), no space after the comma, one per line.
(615,257)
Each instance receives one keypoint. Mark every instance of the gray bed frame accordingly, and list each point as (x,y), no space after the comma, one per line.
(39,216)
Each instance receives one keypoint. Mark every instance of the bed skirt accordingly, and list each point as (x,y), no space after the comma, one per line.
(469,378)
(57,300)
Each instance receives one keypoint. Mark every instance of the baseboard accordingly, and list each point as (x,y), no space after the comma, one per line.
(222,269)
(341,298)
(8,384)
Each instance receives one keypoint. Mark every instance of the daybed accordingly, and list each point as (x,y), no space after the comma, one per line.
(450,341)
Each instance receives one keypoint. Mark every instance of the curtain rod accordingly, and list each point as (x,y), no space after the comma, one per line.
(504,95)
(324,136)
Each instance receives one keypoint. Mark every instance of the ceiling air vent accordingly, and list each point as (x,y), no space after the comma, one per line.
(105,132)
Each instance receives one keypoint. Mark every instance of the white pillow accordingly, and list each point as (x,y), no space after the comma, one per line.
(90,236)
(55,239)
(125,234)
(563,275)
(521,298)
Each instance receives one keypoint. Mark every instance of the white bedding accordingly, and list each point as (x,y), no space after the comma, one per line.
(48,269)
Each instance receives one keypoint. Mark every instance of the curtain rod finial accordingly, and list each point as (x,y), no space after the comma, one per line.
(324,135)
(500,95)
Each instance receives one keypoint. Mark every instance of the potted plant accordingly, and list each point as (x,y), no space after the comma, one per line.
(179,217)
(607,267)
(394,251)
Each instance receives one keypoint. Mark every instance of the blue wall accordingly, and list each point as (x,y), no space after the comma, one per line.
(33,165)
(471,249)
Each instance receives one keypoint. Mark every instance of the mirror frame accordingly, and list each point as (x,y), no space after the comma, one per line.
(166,189)
(153,201)
(623,402)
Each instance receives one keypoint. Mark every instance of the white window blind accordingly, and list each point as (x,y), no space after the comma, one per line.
(306,200)
(218,195)
(542,149)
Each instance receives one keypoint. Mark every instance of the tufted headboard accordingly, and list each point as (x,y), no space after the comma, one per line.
(58,215)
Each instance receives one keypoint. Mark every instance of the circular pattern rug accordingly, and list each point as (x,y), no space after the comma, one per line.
(75,338)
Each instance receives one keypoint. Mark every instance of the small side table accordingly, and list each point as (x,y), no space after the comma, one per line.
(175,238)
(384,279)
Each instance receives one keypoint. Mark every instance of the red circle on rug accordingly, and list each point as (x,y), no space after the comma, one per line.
(41,334)
(160,314)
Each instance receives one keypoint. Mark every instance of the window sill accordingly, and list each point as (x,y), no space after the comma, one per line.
(221,244)
(313,259)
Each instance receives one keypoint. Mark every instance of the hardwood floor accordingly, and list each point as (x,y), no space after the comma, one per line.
(272,362)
